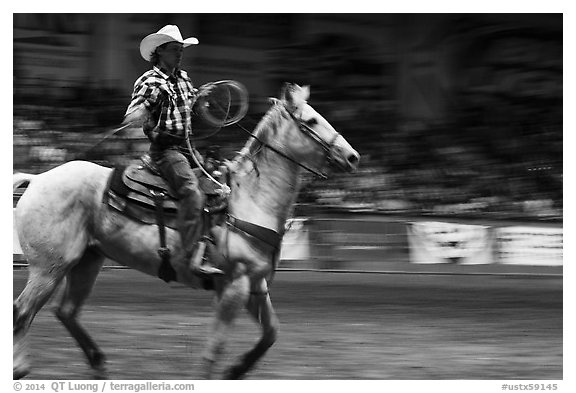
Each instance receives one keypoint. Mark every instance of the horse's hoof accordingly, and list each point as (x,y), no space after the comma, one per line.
(100,373)
(234,373)
(20,372)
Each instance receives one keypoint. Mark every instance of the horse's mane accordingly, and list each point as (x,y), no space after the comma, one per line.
(265,129)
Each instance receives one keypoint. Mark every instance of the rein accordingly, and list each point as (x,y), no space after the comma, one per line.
(309,132)
(272,148)
(302,126)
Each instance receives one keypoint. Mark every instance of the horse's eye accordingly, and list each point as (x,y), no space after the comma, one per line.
(311,122)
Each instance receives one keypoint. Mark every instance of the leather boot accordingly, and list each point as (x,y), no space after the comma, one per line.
(191,229)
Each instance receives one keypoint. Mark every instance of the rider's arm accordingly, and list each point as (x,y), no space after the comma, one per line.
(145,102)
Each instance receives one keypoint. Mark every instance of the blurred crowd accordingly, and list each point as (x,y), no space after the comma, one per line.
(456,114)
(420,169)
(453,114)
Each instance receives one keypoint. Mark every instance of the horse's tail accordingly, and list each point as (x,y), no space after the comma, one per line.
(21,178)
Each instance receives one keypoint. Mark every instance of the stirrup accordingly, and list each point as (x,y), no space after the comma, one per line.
(197,266)
(206,270)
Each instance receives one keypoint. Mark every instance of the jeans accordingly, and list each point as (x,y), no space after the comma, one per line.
(176,170)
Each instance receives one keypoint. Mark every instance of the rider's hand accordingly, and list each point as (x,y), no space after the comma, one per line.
(205,90)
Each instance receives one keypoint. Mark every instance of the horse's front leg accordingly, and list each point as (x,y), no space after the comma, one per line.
(260,307)
(232,298)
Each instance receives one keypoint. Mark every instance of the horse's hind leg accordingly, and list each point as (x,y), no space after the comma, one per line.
(42,283)
(79,283)
(260,307)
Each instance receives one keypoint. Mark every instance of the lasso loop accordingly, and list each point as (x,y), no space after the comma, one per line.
(234,90)
(203,110)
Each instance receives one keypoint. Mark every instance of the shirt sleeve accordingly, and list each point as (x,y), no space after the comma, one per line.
(145,92)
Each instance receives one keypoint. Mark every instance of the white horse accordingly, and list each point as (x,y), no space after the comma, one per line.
(66,231)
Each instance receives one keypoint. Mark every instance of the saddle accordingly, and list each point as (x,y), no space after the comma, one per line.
(139,191)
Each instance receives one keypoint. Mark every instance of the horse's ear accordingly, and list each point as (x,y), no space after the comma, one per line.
(294,96)
(305,92)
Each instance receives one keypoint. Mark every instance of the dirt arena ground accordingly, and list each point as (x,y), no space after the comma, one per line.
(334,326)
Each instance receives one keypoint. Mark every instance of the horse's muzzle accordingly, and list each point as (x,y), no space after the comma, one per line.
(353,161)
(347,162)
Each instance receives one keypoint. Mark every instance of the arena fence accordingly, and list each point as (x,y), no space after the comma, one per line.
(393,244)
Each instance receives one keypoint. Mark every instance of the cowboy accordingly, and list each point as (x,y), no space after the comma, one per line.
(162,102)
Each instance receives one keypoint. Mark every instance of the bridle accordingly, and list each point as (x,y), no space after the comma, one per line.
(327,147)
(309,132)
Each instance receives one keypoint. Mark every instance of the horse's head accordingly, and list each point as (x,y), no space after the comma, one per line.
(309,136)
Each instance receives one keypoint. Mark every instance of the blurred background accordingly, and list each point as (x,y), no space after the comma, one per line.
(453,114)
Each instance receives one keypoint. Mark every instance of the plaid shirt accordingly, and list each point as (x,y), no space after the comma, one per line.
(169,98)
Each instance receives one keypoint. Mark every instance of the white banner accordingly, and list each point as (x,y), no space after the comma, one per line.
(441,242)
(530,246)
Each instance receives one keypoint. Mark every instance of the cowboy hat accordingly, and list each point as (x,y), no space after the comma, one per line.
(168,33)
